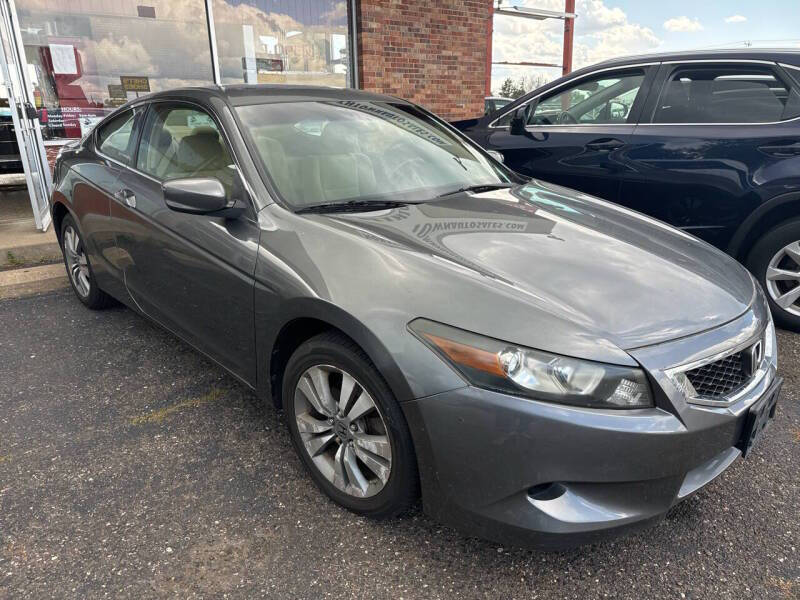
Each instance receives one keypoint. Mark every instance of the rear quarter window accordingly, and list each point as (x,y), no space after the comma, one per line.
(114,137)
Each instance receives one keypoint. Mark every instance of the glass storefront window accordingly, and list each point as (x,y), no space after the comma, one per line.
(88,57)
(282,41)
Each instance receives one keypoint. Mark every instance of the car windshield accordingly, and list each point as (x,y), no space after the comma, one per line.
(337,151)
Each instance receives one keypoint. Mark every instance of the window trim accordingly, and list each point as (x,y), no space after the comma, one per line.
(677,64)
(625,67)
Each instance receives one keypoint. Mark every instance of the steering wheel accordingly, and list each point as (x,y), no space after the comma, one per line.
(566,118)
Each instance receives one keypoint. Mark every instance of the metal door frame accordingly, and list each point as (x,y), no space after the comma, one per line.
(34,160)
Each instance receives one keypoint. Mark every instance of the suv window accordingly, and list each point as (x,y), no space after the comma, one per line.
(114,138)
(726,94)
(178,141)
(602,100)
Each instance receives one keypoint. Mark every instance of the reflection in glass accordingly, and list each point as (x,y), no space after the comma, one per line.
(87,58)
(282,41)
(336,151)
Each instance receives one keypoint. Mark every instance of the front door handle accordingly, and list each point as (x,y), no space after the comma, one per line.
(605,144)
(791,149)
(126,196)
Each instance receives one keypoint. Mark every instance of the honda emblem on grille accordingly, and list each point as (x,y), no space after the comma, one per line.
(751,358)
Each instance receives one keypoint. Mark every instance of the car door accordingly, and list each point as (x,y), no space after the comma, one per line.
(193,273)
(716,139)
(113,144)
(577,134)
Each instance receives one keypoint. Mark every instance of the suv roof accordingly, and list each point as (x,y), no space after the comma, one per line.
(784,55)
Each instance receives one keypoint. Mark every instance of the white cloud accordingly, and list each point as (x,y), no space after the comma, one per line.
(682,23)
(601,32)
(735,19)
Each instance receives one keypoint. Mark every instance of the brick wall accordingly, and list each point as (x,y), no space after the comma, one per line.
(431,52)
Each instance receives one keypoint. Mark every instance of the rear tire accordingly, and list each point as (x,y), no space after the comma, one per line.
(79,270)
(774,260)
(366,464)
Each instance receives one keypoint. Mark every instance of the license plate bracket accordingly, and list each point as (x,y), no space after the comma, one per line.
(759,417)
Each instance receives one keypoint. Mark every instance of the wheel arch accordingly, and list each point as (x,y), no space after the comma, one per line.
(59,211)
(769,214)
(307,317)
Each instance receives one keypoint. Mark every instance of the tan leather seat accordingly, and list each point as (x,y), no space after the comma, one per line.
(340,170)
(199,154)
(277,164)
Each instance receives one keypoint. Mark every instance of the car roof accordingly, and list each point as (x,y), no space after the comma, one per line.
(784,55)
(244,94)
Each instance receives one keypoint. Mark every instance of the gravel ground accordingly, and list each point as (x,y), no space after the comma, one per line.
(132,467)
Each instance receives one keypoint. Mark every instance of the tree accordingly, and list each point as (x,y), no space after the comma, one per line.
(512,89)
(509,89)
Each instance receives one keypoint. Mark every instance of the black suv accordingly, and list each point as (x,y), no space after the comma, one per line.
(706,141)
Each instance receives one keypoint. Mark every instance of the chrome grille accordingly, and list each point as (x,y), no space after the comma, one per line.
(720,377)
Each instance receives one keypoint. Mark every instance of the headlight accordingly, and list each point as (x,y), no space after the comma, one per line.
(496,365)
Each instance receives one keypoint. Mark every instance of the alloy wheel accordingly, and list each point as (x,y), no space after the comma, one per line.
(77,264)
(783,278)
(343,431)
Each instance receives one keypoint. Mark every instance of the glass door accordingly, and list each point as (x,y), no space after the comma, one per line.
(14,69)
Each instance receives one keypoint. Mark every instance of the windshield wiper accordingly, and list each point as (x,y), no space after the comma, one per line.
(350,206)
(478,188)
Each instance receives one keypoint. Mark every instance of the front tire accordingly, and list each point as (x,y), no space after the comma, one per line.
(79,271)
(348,428)
(775,262)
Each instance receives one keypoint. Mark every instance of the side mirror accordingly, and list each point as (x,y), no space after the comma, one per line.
(198,196)
(518,121)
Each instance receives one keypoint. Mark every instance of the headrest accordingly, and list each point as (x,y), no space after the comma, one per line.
(199,148)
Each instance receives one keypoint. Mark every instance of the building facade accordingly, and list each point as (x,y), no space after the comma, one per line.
(87,57)
(434,53)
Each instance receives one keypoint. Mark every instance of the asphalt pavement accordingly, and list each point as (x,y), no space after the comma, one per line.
(132,467)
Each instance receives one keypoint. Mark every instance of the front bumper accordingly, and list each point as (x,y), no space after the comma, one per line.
(551,476)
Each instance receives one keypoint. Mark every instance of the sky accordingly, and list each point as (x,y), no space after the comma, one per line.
(611,28)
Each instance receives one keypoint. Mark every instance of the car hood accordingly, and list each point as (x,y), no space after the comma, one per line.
(613,272)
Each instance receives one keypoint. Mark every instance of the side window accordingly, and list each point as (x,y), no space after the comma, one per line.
(603,100)
(179,141)
(725,94)
(598,101)
(114,138)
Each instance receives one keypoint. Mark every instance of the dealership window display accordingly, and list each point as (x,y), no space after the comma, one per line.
(282,41)
(87,57)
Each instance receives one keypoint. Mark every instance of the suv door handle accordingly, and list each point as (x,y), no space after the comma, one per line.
(781,149)
(605,144)
(127,196)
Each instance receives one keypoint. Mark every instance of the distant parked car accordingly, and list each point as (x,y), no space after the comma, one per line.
(494,103)
(10,161)
(706,141)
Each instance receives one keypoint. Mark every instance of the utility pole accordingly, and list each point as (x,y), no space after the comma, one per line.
(569,30)
(489,46)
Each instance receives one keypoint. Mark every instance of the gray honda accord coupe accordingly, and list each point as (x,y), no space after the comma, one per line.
(544,368)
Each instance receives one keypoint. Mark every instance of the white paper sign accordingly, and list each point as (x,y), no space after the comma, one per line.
(63,56)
